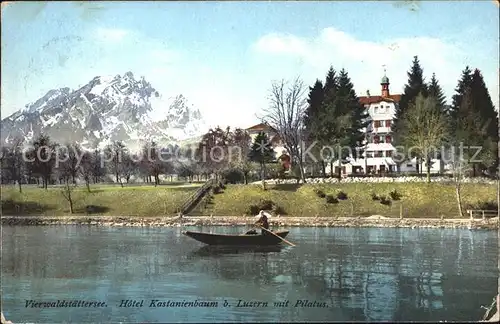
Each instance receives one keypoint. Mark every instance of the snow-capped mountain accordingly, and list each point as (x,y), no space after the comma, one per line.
(106,109)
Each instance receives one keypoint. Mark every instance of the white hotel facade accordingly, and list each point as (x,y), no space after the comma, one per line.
(379,151)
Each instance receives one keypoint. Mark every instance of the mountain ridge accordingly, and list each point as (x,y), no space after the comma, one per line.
(104,110)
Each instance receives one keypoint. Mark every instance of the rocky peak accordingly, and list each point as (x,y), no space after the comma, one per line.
(106,108)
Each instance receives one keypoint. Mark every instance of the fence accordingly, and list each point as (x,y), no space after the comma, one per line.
(483,213)
(196,196)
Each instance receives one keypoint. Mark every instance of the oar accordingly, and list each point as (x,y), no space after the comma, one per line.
(277,236)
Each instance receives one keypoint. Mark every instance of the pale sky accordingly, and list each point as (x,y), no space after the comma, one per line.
(223,56)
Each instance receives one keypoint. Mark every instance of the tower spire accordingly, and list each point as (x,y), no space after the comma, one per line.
(385,84)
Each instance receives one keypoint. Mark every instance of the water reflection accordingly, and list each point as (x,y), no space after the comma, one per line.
(363,274)
(209,250)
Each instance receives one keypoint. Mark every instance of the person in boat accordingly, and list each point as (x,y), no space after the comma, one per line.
(263,222)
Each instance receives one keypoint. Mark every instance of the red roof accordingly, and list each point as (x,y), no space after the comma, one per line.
(365,100)
(261,128)
(270,131)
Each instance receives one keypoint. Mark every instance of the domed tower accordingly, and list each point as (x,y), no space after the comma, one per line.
(385,86)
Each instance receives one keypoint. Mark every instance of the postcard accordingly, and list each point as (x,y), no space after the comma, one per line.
(249,161)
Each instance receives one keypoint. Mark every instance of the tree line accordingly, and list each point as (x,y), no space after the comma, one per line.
(220,153)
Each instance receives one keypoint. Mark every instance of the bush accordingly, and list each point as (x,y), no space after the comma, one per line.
(319,193)
(330,199)
(375,196)
(253,210)
(233,176)
(395,195)
(278,210)
(216,190)
(277,172)
(483,205)
(385,201)
(341,195)
(265,204)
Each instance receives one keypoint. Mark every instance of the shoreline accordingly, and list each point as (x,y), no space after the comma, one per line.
(276,222)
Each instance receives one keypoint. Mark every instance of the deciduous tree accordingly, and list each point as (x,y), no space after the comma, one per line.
(240,142)
(212,151)
(285,114)
(42,155)
(425,129)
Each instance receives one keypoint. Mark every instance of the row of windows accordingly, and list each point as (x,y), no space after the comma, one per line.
(382,123)
(371,154)
(380,139)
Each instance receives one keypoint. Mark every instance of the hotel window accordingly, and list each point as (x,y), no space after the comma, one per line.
(376,139)
(388,139)
(378,154)
(388,153)
(375,109)
(377,123)
(387,107)
(369,154)
(388,123)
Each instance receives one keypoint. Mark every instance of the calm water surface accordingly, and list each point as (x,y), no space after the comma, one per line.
(359,274)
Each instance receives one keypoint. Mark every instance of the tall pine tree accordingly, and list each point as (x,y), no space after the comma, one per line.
(475,122)
(313,119)
(311,116)
(434,90)
(414,86)
(489,122)
(331,83)
(335,122)
(351,106)
(463,84)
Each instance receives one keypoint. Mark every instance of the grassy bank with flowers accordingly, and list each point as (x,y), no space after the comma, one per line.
(407,200)
(326,200)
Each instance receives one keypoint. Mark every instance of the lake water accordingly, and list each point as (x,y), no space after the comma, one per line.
(356,274)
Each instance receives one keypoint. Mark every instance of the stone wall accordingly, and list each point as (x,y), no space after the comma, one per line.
(379,179)
(276,221)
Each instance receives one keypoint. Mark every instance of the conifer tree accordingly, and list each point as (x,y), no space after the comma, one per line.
(475,122)
(335,121)
(351,106)
(464,82)
(311,116)
(435,91)
(262,152)
(331,82)
(313,119)
(414,86)
(488,121)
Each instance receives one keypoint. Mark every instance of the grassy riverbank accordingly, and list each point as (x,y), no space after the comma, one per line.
(415,199)
(106,200)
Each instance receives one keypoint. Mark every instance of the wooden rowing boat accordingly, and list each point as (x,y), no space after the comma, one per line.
(238,240)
